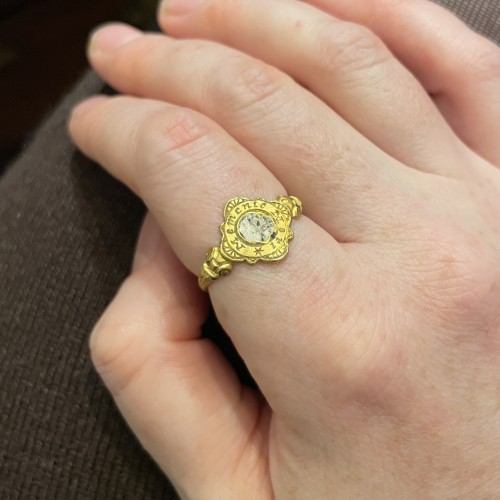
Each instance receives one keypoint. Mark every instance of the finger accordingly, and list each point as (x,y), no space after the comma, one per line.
(345,64)
(148,243)
(309,148)
(460,68)
(177,392)
(186,169)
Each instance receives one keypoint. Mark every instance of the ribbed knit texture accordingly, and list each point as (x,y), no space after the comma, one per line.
(482,15)
(67,233)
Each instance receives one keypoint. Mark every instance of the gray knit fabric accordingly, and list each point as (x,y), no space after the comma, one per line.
(482,15)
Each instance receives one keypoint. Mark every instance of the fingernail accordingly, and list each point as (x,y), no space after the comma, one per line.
(111,36)
(85,106)
(179,7)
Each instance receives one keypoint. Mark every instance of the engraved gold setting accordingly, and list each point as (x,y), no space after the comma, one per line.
(236,247)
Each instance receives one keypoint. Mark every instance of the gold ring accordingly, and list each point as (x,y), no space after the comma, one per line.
(252,230)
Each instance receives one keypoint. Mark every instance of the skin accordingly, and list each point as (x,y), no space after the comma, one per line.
(376,342)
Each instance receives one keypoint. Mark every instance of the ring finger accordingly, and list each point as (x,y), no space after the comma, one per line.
(321,158)
(185,168)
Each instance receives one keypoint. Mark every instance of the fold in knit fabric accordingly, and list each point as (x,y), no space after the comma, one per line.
(67,232)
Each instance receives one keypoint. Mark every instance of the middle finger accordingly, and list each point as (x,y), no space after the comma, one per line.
(344,63)
(307,146)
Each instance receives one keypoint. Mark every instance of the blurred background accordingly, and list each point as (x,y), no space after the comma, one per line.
(42,54)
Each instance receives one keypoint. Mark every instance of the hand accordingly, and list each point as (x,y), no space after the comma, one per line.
(376,342)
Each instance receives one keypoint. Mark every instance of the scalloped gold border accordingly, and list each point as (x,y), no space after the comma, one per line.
(237,249)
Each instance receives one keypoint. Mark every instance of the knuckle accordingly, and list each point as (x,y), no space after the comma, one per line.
(349,47)
(468,278)
(455,280)
(114,353)
(453,275)
(165,138)
(378,379)
(179,129)
(183,51)
(247,85)
(358,351)
(369,360)
(103,351)
(371,355)
(485,61)
(138,60)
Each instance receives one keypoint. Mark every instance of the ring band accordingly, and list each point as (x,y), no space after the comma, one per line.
(252,230)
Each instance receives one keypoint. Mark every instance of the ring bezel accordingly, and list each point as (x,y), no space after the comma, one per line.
(236,248)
